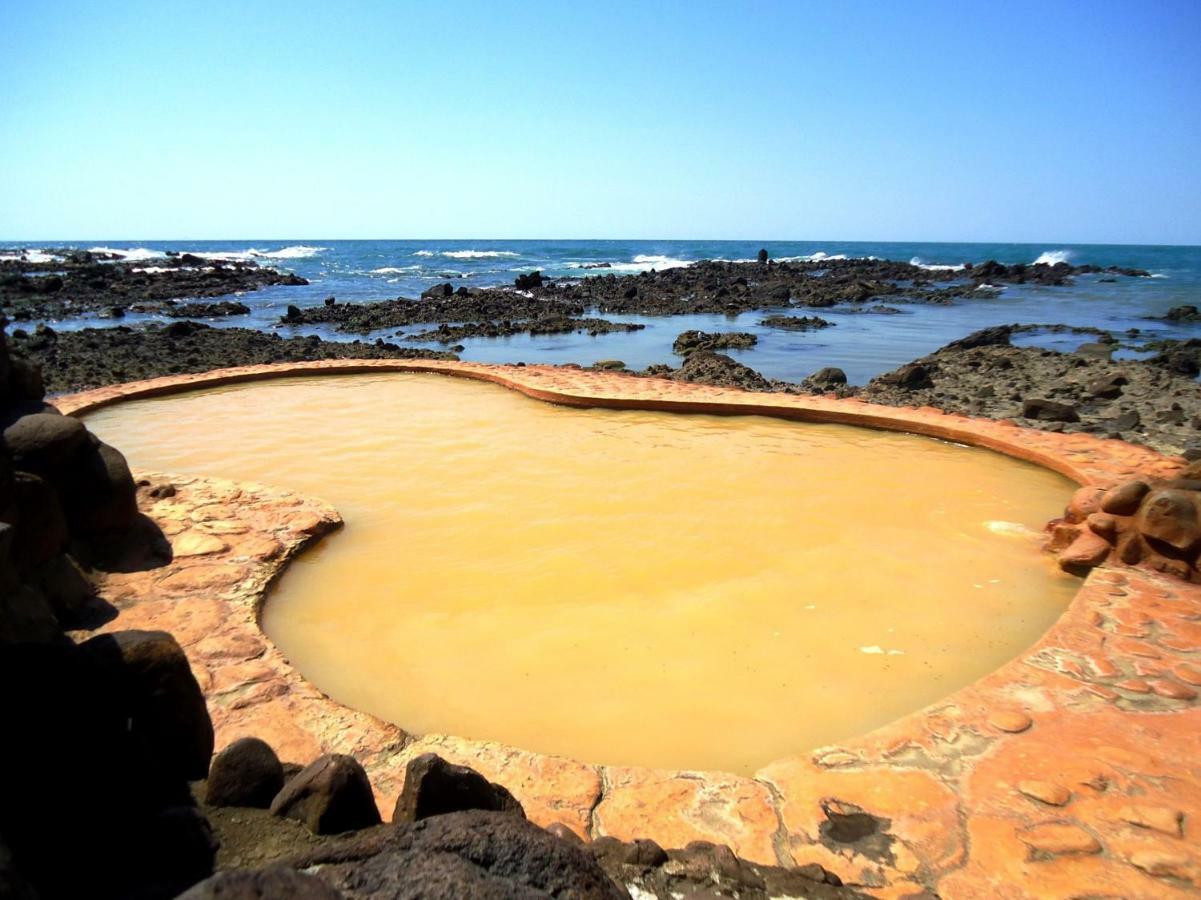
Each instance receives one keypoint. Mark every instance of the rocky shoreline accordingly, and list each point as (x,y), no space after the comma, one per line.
(80,282)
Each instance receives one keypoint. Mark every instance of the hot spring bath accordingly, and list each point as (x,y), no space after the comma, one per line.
(623,587)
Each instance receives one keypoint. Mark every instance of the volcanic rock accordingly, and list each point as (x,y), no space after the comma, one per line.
(330,795)
(434,787)
(246,773)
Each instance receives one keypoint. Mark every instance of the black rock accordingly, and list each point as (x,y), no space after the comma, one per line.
(434,787)
(762,256)
(1049,411)
(464,854)
(911,377)
(275,883)
(44,443)
(525,282)
(830,376)
(246,773)
(167,715)
(437,291)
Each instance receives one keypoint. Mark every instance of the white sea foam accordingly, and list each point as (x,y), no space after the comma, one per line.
(822,256)
(30,256)
(1158,275)
(470,254)
(1053,257)
(645,262)
(297,251)
(934,267)
(395,270)
(137,253)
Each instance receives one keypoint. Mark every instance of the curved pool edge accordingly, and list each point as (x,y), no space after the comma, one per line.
(1062,769)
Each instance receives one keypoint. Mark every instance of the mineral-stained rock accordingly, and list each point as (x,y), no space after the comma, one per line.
(463,854)
(262,884)
(246,773)
(166,709)
(1125,499)
(434,787)
(330,795)
(1170,517)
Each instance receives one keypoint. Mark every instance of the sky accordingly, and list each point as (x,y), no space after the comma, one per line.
(1025,122)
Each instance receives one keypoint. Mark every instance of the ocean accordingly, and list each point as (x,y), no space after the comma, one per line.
(862,345)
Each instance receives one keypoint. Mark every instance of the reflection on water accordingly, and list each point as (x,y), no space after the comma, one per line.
(623,587)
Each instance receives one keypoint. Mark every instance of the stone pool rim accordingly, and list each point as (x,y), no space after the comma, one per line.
(925,759)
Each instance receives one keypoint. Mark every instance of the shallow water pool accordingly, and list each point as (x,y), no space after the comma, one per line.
(638,588)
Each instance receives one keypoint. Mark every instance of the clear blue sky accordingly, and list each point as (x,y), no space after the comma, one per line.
(1056,121)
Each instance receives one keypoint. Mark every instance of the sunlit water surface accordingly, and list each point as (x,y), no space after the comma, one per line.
(623,587)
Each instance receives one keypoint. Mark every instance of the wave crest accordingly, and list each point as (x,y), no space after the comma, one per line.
(1053,258)
(935,267)
(470,254)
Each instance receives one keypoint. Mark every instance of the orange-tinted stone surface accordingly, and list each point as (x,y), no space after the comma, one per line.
(1072,771)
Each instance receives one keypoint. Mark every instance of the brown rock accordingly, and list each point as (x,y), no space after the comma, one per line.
(246,773)
(1085,502)
(1170,517)
(434,787)
(1087,551)
(1104,525)
(330,795)
(1124,500)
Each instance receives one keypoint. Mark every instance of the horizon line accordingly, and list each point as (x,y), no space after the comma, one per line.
(46,242)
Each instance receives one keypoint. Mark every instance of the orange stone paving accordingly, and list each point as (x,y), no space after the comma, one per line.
(1072,771)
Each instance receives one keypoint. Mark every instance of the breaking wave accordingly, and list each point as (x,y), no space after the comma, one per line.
(1053,257)
(134,255)
(30,256)
(934,267)
(470,254)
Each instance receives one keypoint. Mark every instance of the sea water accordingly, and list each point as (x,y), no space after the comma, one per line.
(863,345)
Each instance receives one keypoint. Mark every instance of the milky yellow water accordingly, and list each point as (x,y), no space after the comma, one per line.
(623,587)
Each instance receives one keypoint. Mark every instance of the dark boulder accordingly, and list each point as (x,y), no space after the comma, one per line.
(911,377)
(246,773)
(830,376)
(40,531)
(638,852)
(438,291)
(330,795)
(434,787)
(275,883)
(463,854)
(996,336)
(1049,411)
(44,443)
(528,281)
(176,849)
(706,367)
(167,715)
(99,495)
(762,255)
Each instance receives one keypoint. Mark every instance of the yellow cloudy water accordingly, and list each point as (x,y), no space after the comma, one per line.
(623,587)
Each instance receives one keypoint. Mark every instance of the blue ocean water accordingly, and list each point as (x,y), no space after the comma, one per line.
(862,345)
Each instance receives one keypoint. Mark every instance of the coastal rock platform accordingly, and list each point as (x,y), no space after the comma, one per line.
(1074,770)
